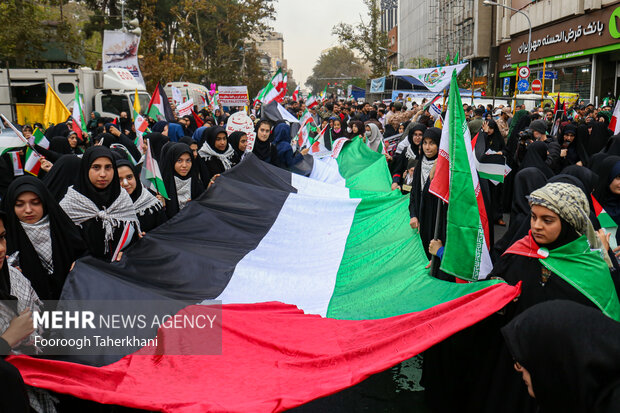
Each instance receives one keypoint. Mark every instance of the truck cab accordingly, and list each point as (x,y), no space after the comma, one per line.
(23,91)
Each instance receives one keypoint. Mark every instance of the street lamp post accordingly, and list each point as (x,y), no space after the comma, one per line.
(529,37)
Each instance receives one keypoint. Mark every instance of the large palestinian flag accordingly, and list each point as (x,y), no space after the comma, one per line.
(322,282)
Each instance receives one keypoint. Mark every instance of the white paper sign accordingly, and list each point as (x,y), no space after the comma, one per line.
(232,95)
(185,108)
(241,122)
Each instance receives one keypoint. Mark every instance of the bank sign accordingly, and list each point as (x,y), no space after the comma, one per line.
(592,30)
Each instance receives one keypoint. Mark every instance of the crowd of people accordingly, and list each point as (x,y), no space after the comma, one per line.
(565,168)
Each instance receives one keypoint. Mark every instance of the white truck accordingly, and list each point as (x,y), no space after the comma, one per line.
(195,92)
(23,91)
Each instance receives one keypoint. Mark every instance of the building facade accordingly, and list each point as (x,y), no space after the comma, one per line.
(575,42)
(271,47)
(441,29)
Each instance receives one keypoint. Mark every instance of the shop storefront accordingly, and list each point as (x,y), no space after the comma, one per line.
(580,55)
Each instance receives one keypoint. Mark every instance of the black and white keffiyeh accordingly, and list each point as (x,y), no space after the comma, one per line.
(40,238)
(426,166)
(184,191)
(206,152)
(410,154)
(146,202)
(80,209)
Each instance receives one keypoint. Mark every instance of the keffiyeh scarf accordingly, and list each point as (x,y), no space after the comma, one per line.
(80,209)
(40,238)
(147,202)
(184,191)
(207,153)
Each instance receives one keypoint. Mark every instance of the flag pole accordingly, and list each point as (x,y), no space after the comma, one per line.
(436,234)
(19,135)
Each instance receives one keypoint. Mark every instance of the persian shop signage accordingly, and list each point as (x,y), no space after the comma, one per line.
(584,32)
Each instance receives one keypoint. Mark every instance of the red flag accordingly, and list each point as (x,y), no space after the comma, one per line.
(199,122)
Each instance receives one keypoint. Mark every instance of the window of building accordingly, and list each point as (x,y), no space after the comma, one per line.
(115,104)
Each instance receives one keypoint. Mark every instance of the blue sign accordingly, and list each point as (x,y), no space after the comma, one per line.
(523,85)
(506,85)
(549,75)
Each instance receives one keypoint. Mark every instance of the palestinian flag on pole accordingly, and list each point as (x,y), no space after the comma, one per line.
(9,139)
(33,159)
(159,106)
(311,101)
(79,121)
(271,91)
(151,176)
(317,146)
(303,324)
(606,222)
(466,253)
(140,124)
(490,166)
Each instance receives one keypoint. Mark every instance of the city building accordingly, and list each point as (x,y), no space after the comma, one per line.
(576,42)
(271,47)
(389,25)
(441,29)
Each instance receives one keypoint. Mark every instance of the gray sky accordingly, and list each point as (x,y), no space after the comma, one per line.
(307,27)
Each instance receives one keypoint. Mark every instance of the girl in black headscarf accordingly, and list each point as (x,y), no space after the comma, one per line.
(492,137)
(554,261)
(263,147)
(335,131)
(216,153)
(180,175)
(149,209)
(594,136)
(47,240)
(535,157)
(18,301)
(410,154)
(238,141)
(568,355)
(572,149)
(113,135)
(423,205)
(100,207)
(193,145)
(607,190)
(64,173)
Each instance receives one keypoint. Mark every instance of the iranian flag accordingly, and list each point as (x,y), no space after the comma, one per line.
(272,91)
(466,253)
(295,326)
(32,164)
(18,169)
(305,123)
(323,94)
(311,101)
(614,124)
(159,106)
(140,124)
(79,121)
(282,88)
(296,94)
(151,176)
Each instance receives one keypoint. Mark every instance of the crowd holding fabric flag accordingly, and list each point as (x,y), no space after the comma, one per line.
(427,231)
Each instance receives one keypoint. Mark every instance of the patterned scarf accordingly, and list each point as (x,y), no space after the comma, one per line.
(426,166)
(184,191)
(39,236)
(207,153)
(410,154)
(80,209)
(146,202)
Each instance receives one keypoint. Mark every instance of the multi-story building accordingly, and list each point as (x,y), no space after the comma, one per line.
(576,42)
(271,46)
(441,29)
(389,25)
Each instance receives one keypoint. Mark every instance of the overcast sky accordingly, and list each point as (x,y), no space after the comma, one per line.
(307,27)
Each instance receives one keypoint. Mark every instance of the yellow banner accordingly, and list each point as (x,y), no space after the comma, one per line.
(29,113)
